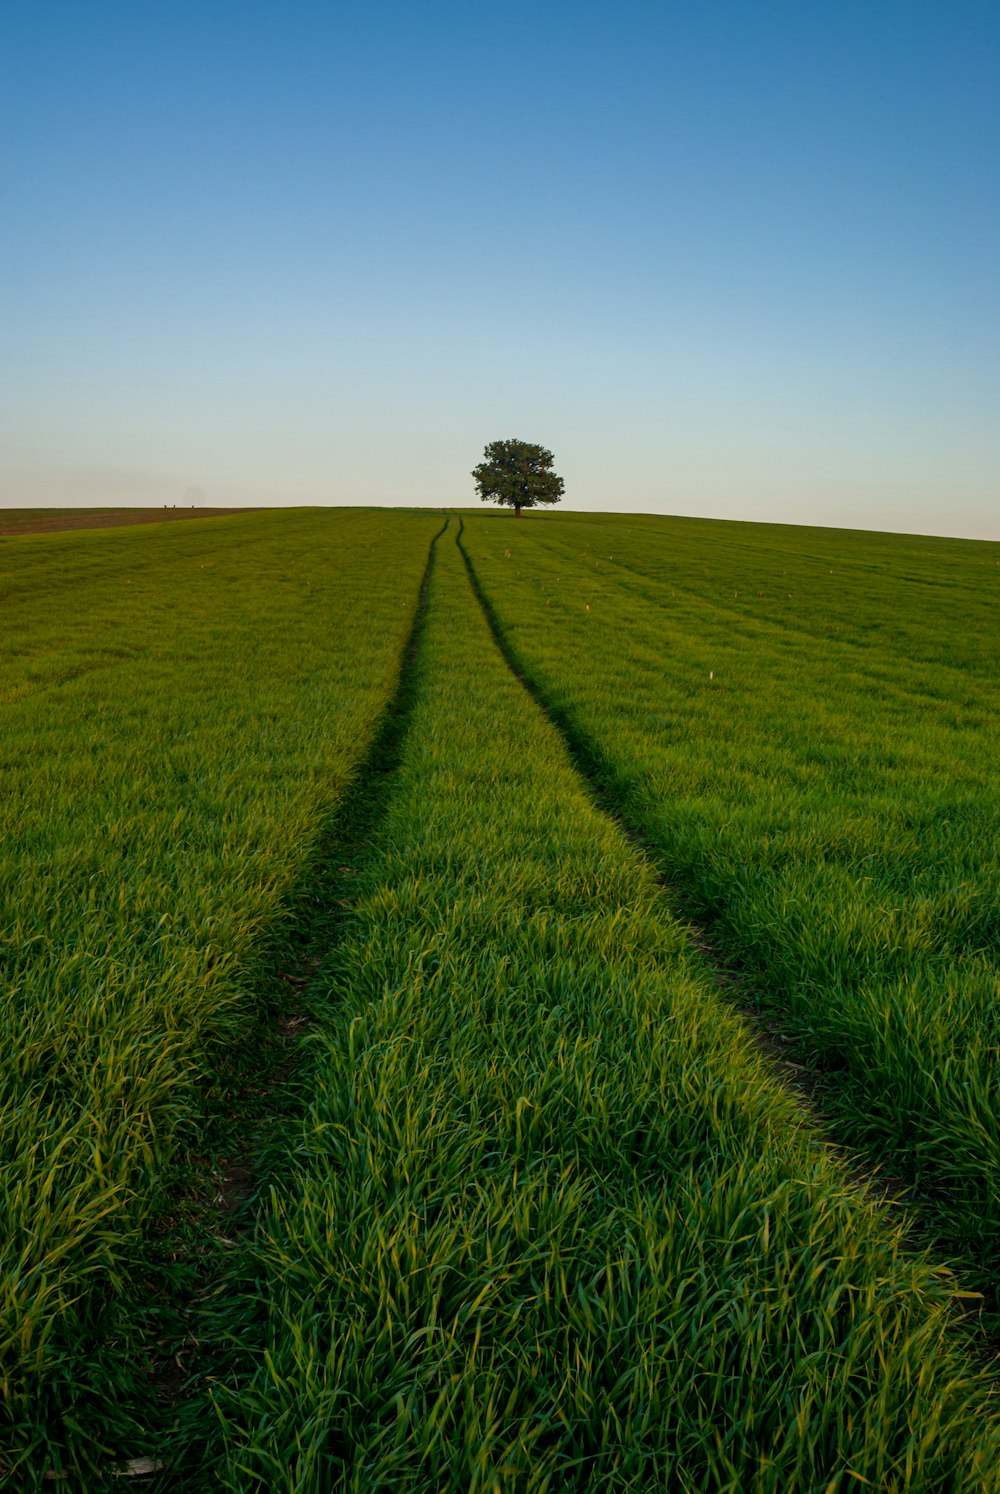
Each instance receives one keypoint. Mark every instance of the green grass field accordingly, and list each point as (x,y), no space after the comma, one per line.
(802,725)
(546,860)
(183,706)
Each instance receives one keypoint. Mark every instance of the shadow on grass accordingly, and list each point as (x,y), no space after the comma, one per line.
(925,1220)
(204,1323)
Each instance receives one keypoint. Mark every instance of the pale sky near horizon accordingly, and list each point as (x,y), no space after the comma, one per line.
(739,260)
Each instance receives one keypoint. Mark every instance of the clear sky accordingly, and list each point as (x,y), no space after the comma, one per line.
(723,257)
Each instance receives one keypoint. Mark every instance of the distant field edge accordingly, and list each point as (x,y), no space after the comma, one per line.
(15,521)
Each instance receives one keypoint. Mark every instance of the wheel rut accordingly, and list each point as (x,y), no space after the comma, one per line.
(209,1330)
(783,1052)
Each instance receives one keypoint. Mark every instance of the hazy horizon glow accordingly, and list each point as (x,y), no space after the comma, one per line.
(727,260)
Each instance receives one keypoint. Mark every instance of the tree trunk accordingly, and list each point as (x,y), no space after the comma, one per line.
(517,510)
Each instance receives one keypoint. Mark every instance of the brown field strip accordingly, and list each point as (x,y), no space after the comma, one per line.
(47,520)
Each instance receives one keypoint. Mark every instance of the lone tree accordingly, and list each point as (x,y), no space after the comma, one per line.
(517,474)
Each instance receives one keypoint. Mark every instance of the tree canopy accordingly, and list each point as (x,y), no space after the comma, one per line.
(517,474)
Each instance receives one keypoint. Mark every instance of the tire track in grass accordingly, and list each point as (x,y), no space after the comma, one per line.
(153,836)
(18,693)
(838,844)
(597,774)
(211,1334)
(783,1052)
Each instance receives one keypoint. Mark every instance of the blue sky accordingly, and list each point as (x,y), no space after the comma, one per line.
(733,259)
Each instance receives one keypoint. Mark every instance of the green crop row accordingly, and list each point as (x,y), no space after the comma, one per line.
(803,727)
(183,707)
(549,1222)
